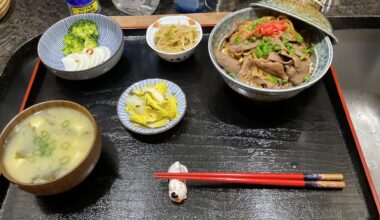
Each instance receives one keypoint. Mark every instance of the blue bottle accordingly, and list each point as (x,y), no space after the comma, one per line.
(189,6)
(83,6)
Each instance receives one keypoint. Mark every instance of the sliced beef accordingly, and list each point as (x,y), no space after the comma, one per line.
(246,69)
(242,47)
(278,58)
(233,29)
(297,49)
(228,63)
(297,72)
(276,40)
(274,68)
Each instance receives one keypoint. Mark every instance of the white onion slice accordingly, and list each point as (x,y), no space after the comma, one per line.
(107,52)
(69,64)
(88,58)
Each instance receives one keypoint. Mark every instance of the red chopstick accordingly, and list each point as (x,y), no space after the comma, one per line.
(289,176)
(255,178)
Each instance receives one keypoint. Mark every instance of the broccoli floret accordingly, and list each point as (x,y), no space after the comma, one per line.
(72,44)
(84,28)
(90,42)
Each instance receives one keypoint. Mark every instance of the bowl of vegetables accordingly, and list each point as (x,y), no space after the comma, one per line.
(151,106)
(82,46)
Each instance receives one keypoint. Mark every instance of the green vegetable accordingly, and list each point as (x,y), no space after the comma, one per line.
(286,36)
(237,40)
(252,27)
(252,39)
(90,42)
(64,160)
(65,145)
(273,79)
(44,145)
(245,42)
(276,47)
(290,48)
(65,123)
(299,38)
(285,81)
(31,159)
(82,34)
(308,50)
(264,48)
(257,21)
(232,74)
(265,39)
(258,52)
(84,28)
(72,44)
(302,57)
(307,78)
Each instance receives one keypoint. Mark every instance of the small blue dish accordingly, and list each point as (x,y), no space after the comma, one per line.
(124,117)
(51,43)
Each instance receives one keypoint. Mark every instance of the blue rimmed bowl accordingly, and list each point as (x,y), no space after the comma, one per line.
(51,43)
(321,58)
(124,117)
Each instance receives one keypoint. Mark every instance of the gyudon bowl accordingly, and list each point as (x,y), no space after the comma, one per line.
(50,147)
(321,56)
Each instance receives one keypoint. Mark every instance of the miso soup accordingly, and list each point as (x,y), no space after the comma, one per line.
(47,145)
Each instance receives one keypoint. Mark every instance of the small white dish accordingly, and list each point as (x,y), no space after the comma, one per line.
(124,117)
(178,56)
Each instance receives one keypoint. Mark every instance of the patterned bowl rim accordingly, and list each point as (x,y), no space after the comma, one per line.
(124,117)
(148,37)
(264,90)
(78,16)
(328,32)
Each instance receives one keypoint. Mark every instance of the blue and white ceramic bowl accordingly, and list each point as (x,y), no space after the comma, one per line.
(124,117)
(51,44)
(178,56)
(322,57)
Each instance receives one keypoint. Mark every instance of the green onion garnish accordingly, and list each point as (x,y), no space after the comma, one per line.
(65,145)
(237,40)
(299,38)
(276,47)
(64,160)
(65,124)
(31,159)
(307,78)
(232,74)
(252,39)
(273,79)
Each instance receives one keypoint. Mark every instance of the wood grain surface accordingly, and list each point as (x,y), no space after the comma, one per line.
(135,22)
(221,131)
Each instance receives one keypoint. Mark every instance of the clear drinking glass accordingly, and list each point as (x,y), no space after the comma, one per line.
(136,7)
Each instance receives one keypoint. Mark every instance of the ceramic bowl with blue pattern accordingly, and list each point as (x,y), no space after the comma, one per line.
(51,44)
(124,117)
(321,58)
(178,56)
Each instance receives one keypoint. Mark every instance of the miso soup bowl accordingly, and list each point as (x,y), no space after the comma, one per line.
(75,175)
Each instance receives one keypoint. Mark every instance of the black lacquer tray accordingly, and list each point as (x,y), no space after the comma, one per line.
(221,131)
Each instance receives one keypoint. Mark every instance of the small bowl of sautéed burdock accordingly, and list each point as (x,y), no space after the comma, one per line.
(174,38)
(50,147)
